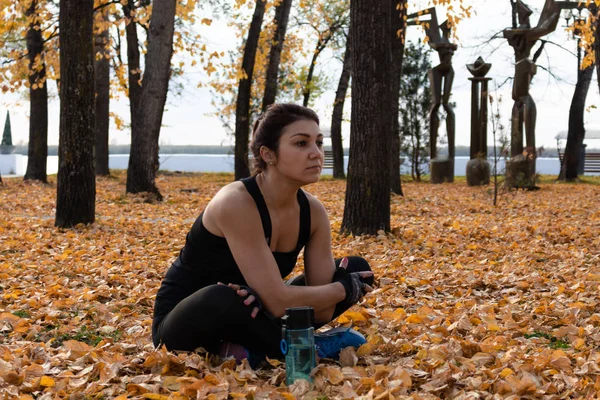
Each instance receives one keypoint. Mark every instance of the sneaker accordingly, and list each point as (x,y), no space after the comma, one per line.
(234,350)
(330,343)
(239,352)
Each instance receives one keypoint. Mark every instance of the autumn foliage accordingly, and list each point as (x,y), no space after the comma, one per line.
(471,300)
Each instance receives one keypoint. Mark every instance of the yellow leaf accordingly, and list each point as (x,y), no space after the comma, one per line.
(506,371)
(274,362)
(155,396)
(523,285)
(556,354)
(414,319)
(334,375)
(406,347)
(356,317)
(212,379)
(46,381)
(368,383)
(170,382)
(364,350)
(5,316)
(579,344)
(77,348)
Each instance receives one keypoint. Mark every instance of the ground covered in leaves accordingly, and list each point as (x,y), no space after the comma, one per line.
(471,300)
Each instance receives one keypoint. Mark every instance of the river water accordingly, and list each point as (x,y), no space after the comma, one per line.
(224,163)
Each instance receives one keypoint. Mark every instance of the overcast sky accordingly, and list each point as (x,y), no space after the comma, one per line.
(186,121)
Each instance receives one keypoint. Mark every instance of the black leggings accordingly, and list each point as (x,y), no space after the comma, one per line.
(216,314)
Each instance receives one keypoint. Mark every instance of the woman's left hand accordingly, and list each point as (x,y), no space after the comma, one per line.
(250,297)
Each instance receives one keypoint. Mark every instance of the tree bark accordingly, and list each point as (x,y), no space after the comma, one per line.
(416,159)
(133,65)
(398,33)
(596,11)
(367,204)
(102,69)
(242,107)
(143,157)
(576,133)
(37,152)
(282,13)
(76,188)
(338,112)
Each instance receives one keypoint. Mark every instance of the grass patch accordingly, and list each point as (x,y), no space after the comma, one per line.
(85,335)
(555,343)
(22,314)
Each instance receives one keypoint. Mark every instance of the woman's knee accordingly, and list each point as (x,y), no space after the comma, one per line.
(208,304)
(199,318)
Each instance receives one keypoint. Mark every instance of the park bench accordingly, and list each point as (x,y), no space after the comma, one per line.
(328,160)
(591,165)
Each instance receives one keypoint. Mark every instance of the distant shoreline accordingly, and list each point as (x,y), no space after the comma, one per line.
(226,162)
(461,151)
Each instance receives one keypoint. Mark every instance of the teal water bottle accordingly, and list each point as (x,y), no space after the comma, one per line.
(298,343)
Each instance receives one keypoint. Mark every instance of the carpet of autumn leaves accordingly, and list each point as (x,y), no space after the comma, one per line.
(471,300)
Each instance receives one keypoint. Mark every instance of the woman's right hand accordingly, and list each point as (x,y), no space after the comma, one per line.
(352,282)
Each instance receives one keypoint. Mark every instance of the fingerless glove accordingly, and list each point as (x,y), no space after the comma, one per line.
(257,302)
(352,282)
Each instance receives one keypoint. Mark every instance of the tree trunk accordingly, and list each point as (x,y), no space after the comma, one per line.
(367,205)
(596,47)
(37,153)
(321,44)
(143,157)
(76,188)
(338,112)
(242,107)
(576,132)
(134,69)
(282,13)
(102,69)
(398,33)
(416,158)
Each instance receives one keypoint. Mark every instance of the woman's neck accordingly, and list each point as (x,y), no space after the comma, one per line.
(277,190)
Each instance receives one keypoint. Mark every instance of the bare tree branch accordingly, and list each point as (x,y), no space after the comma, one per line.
(101,6)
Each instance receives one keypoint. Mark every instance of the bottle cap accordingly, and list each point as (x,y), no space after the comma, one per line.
(298,317)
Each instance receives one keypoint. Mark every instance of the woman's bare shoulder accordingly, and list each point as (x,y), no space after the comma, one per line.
(314,202)
(318,212)
(230,197)
(231,203)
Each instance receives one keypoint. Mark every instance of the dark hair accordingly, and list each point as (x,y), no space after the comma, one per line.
(268,127)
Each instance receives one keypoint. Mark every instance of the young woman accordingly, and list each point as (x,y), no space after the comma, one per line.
(226,290)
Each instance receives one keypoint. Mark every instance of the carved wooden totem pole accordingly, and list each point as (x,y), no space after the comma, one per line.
(478,168)
(521,166)
(440,78)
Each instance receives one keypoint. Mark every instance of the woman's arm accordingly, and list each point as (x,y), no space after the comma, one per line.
(319,264)
(235,215)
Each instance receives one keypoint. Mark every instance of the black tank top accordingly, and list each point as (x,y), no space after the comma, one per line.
(206,258)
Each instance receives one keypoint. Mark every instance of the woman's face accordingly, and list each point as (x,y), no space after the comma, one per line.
(300,154)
